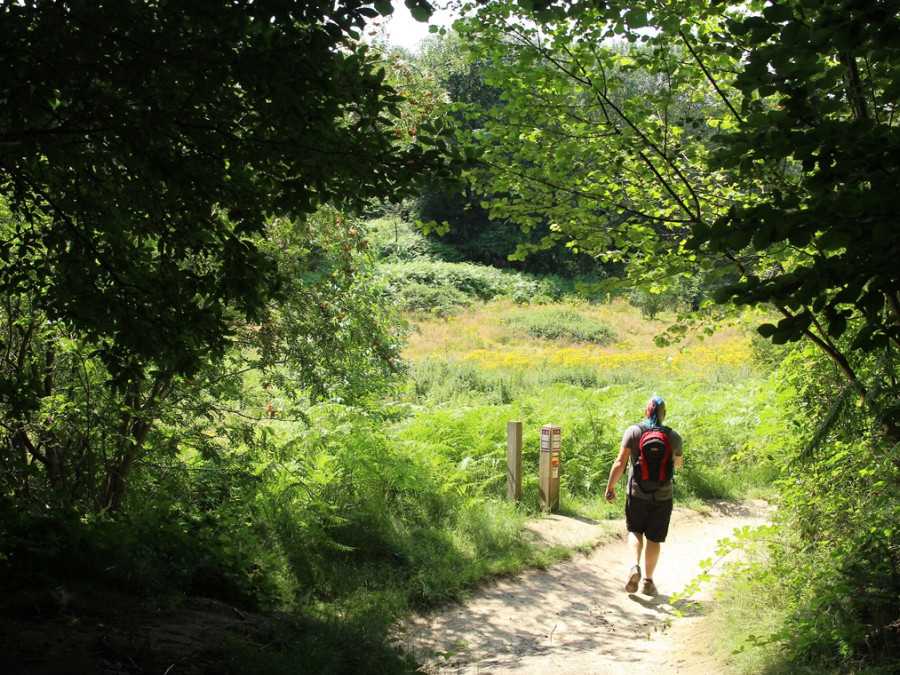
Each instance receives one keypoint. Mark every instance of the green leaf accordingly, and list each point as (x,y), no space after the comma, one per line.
(636,17)
(778,13)
(420,11)
(738,239)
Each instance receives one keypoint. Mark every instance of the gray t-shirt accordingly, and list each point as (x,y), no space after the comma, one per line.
(630,440)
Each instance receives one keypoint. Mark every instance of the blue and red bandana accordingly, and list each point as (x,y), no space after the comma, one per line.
(652,411)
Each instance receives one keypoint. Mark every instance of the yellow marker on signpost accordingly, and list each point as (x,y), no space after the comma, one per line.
(549,467)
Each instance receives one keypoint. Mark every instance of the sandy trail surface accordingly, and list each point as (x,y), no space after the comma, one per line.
(576,616)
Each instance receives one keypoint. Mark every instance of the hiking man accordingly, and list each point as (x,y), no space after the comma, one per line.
(652,452)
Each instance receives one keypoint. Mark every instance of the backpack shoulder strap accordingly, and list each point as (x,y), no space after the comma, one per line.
(666,431)
(636,449)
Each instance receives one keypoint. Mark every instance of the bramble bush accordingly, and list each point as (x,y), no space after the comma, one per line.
(441,301)
(555,323)
(476,281)
(831,568)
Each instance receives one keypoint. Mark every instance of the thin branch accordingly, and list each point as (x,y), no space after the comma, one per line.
(709,76)
(830,350)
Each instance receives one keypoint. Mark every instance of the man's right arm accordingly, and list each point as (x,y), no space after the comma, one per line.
(616,471)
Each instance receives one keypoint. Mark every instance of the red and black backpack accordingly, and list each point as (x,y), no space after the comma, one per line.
(654,463)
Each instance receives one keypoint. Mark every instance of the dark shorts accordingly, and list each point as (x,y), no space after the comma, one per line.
(647,517)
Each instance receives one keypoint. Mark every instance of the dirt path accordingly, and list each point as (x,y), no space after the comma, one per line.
(576,617)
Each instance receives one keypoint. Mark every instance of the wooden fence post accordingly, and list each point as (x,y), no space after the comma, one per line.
(513,461)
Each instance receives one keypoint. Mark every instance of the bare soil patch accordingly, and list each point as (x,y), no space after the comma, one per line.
(577,618)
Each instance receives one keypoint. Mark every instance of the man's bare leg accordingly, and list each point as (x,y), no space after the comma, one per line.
(635,547)
(651,557)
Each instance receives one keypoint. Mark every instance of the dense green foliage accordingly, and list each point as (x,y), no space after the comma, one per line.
(823,592)
(73,440)
(458,218)
(683,295)
(156,154)
(474,282)
(201,382)
(422,280)
(593,408)
(143,162)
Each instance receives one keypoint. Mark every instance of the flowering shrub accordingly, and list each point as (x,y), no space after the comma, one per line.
(705,360)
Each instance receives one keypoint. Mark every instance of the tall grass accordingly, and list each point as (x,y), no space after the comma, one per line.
(468,391)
